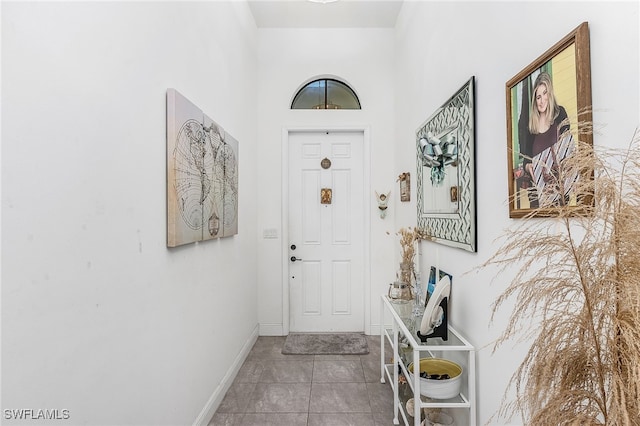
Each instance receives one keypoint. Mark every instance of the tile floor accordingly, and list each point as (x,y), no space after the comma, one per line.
(307,390)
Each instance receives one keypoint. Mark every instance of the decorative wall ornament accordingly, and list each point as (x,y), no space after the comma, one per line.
(383,200)
(445,148)
(439,151)
(202,175)
(453,192)
(405,186)
(325,195)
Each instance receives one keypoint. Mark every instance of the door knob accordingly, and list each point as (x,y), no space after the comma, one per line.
(293,258)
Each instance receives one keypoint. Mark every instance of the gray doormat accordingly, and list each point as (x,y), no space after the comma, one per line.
(325,344)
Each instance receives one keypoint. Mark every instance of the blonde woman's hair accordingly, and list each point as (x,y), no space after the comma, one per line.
(552,110)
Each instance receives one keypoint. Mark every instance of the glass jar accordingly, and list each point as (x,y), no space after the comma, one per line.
(400,291)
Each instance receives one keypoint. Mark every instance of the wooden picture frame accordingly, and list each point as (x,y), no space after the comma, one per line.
(560,76)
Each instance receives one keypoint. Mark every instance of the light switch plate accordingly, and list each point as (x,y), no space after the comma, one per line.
(270,233)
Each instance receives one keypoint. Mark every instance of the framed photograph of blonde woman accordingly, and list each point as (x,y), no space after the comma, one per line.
(547,104)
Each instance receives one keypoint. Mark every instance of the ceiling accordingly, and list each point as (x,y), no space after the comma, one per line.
(337,14)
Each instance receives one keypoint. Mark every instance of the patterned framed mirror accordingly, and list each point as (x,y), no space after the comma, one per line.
(446,193)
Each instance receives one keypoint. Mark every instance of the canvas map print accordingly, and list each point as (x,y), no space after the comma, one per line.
(202,175)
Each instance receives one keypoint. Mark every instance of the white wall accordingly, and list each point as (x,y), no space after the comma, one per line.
(98,316)
(439,46)
(287,58)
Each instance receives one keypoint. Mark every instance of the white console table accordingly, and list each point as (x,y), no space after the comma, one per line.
(407,348)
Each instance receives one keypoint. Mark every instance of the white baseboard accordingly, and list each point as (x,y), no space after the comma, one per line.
(214,401)
(272,330)
(375,329)
(277,330)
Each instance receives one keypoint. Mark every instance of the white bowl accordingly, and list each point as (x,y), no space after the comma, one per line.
(439,388)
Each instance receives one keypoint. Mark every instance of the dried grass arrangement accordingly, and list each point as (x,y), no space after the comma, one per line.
(408,238)
(577,298)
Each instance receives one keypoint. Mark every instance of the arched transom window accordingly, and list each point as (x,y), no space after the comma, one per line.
(326,93)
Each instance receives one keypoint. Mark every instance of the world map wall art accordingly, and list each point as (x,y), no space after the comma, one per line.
(202,175)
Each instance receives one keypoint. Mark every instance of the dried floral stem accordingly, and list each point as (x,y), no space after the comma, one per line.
(408,238)
(579,286)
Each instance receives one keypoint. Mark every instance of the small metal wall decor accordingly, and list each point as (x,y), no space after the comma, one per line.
(383,200)
(325,196)
(453,192)
(405,186)
(325,163)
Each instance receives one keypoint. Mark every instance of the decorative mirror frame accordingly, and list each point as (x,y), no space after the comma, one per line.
(457,115)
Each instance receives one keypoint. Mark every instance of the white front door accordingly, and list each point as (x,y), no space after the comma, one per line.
(326,286)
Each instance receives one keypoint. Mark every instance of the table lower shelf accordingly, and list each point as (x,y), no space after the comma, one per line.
(406,348)
(459,401)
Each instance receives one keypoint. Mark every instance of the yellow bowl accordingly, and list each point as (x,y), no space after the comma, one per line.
(439,388)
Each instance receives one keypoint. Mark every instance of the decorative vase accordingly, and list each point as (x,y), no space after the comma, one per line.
(405,274)
(419,304)
(401,289)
